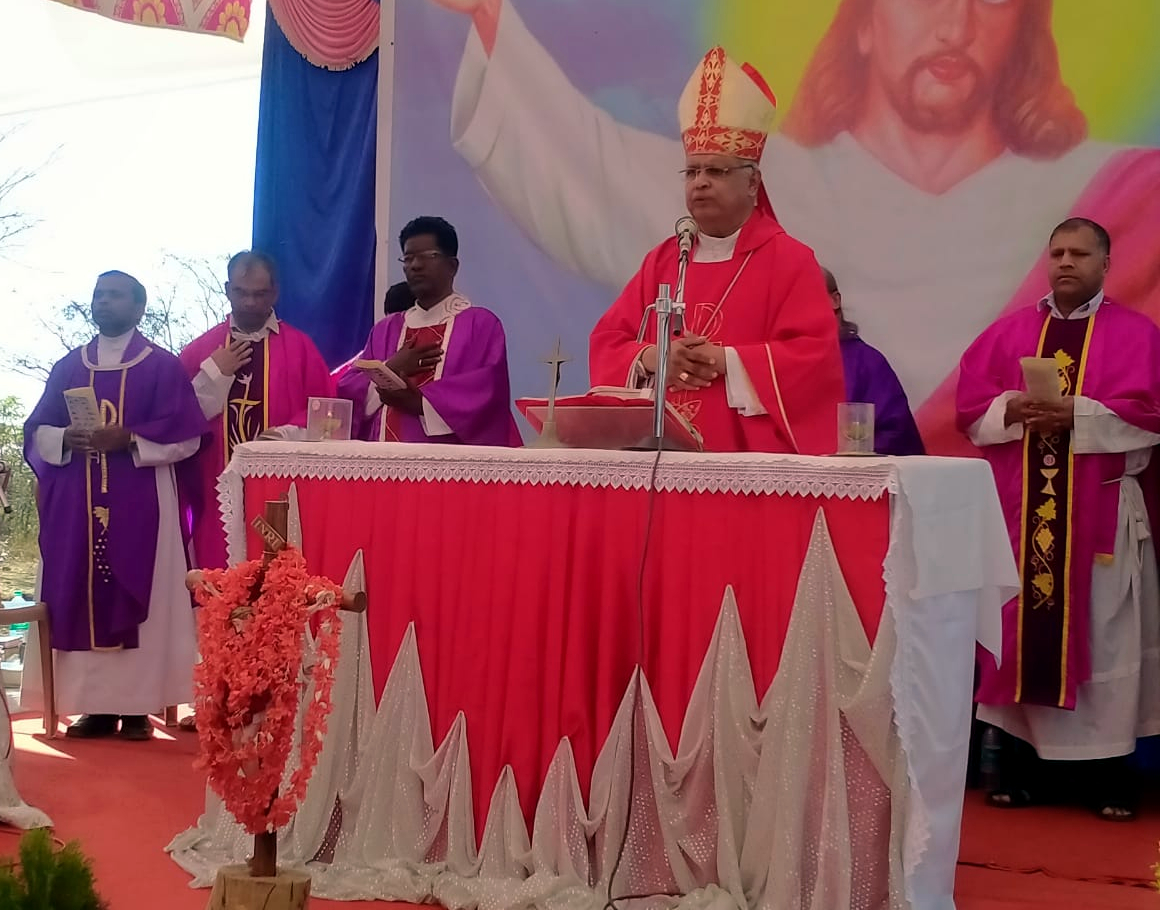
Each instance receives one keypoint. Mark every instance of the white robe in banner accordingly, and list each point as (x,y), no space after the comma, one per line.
(159,672)
(943,266)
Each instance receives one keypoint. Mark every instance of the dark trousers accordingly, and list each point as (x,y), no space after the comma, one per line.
(1098,782)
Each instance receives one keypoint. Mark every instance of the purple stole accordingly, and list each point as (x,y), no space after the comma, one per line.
(247,411)
(1045,601)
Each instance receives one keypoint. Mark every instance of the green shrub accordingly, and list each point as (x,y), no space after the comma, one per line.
(47,878)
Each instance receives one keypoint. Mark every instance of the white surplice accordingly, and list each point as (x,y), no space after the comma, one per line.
(159,671)
(564,169)
(1121,702)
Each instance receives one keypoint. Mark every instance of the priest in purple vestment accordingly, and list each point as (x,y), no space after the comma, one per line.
(111,536)
(870,378)
(1080,676)
(451,356)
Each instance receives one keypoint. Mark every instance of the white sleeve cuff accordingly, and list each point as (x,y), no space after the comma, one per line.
(212,370)
(373,402)
(148,454)
(212,388)
(991,428)
(1098,429)
(433,424)
(638,376)
(49,443)
(739,391)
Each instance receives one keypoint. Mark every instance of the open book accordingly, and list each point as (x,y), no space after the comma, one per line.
(381,375)
(610,418)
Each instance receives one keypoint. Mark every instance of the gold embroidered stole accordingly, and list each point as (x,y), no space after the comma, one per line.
(247,412)
(1044,607)
(97,492)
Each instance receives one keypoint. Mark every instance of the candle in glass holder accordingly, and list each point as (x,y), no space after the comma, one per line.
(855,428)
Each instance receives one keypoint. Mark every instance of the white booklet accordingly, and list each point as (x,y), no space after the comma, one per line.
(381,375)
(1041,375)
(83,412)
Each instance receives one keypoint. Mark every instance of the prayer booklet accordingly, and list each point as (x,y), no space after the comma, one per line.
(83,412)
(1041,376)
(381,375)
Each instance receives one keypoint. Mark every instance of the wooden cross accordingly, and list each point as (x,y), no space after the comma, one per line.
(273,527)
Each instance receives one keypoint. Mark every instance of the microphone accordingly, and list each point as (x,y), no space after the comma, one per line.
(686,231)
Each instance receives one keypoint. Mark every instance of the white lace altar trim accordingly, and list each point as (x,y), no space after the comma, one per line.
(686,472)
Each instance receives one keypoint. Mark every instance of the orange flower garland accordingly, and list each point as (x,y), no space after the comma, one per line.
(252,626)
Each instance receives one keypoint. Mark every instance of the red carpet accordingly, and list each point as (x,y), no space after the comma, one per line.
(125,801)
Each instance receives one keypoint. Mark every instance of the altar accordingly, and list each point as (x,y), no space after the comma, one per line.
(714,677)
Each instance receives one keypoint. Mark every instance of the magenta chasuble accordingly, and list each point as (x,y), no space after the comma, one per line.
(1061,507)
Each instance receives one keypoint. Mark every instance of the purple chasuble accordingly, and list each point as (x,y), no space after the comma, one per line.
(869,378)
(99,513)
(471,390)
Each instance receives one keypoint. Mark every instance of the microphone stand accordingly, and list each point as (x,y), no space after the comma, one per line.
(664,309)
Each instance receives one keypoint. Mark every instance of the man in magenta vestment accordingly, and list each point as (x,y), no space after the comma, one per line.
(111,536)
(451,355)
(1080,674)
(253,375)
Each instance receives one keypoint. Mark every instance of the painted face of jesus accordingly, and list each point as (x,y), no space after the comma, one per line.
(938,61)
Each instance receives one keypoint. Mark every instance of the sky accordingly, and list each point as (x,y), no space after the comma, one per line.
(143,140)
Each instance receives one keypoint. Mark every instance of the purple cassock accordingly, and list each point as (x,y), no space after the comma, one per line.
(869,378)
(470,390)
(99,514)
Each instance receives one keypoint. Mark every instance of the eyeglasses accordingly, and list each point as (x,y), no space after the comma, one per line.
(713,173)
(424,256)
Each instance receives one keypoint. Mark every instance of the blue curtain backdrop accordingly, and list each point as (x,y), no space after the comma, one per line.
(314,192)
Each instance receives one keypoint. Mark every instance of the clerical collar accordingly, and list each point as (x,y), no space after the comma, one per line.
(449,306)
(716,249)
(1080,312)
(270,325)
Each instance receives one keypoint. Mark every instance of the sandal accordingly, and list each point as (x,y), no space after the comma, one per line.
(1114,812)
(188,724)
(1010,799)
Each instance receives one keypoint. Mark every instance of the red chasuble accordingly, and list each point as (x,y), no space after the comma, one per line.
(769,303)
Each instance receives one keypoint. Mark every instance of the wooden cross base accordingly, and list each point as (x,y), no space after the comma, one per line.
(236,889)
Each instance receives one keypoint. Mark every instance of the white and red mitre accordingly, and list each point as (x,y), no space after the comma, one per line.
(726,109)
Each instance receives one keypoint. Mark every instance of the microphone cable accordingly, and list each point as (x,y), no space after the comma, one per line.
(611,902)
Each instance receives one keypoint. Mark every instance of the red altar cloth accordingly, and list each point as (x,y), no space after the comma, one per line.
(524,597)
